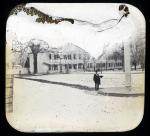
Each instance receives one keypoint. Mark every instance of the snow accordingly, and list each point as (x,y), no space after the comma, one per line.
(110,79)
(41,107)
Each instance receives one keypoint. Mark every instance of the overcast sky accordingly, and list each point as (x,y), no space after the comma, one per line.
(25,28)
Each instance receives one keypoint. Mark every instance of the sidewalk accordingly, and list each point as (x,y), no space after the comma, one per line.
(121,91)
(109,91)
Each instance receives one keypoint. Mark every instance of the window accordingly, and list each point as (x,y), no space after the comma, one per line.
(91,65)
(79,66)
(50,56)
(58,56)
(79,56)
(69,56)
(75,66)
(74,56)
(55,67)
(65,56)
(70,66)
(52,67)
(66,66)
(55,56)
(49,67)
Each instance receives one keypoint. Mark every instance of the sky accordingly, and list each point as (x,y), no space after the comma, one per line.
(24,28)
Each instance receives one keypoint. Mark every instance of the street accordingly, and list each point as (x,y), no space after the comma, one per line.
(53,107)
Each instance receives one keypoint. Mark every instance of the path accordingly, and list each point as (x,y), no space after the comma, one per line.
(111,91)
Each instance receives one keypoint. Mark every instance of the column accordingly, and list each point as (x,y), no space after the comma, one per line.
(127,64)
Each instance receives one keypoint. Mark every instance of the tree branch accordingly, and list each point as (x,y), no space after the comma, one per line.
(42,17)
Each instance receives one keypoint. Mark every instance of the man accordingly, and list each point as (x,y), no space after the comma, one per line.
(96,79)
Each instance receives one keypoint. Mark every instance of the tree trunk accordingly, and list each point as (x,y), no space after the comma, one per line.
(35,62)
(123,64)
(134,66)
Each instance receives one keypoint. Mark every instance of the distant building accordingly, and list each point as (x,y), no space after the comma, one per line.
(65,59)
(91,65)
(109,62)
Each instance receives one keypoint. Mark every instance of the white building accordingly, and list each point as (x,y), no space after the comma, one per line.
(109,62)
(65,59)
(105,62)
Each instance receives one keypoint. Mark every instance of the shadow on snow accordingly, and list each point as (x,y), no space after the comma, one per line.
(86,88)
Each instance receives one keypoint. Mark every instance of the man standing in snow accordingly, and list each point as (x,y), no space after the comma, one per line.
(97,80)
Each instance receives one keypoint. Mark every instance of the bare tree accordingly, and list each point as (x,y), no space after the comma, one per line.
(138,53)
(86,57)
(134,56)
(34,46)
(119,53)
(42,17)
(19,53)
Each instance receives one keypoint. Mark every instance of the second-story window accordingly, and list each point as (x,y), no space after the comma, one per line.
(56,56)
(65,57)
(79,56)
(69,56)
(74,56)
(50,56)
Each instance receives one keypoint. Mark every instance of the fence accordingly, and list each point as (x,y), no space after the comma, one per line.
(9,93)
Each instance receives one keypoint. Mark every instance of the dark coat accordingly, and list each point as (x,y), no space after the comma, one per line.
(96,78)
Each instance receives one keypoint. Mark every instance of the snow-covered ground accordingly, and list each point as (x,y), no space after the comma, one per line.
(110,79)
(49,107)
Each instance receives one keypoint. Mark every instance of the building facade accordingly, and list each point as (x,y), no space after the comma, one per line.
(65,59)
(109,62)
(105,62)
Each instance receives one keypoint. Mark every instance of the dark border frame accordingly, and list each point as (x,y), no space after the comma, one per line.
(142,129)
